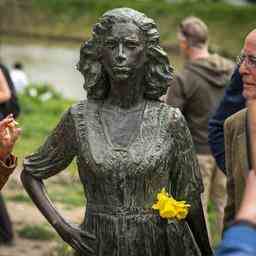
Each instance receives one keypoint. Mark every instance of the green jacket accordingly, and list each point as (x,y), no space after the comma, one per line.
(197,90)
(236,157)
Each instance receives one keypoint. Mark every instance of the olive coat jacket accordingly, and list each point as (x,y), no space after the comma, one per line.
(237,164)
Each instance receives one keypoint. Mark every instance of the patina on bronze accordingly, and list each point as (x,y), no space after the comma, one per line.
(128,146)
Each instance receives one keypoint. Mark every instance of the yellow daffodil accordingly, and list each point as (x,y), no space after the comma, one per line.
(170,208)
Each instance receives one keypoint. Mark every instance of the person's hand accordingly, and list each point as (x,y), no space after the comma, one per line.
(163,98)
(9,133)
(247,210)
(80,240)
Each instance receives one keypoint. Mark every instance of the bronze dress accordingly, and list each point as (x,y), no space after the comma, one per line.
(121,183)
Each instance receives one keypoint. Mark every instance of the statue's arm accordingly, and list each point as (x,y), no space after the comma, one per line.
(188,183)
(36,190)
(70,233)
(196,222)
(54,156)
(195,218)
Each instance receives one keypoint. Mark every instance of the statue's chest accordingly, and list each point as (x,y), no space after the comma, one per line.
(120,128)
(130,147)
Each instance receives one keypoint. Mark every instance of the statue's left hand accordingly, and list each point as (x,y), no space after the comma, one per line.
(80,240)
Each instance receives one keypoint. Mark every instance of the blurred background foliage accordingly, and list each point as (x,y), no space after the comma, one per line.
(228,24)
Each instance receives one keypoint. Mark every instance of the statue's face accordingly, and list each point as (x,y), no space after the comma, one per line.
(123,53)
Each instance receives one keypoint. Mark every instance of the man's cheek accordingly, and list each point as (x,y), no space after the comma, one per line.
(250,92)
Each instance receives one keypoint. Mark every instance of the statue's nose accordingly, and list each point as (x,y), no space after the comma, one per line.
(121,54)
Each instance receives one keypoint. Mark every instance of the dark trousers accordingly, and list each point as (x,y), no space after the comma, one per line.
(6,232)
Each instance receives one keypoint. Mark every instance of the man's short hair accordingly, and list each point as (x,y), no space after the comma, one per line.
(195,31)
(18,65)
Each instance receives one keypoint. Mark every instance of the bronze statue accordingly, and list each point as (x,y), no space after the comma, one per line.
(128,146)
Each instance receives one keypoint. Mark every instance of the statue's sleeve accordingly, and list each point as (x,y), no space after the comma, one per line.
(57,151)
(176,94)
(185,176)
(188,184)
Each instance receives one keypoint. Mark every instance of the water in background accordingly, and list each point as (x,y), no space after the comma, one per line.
(55,64)
(52,63)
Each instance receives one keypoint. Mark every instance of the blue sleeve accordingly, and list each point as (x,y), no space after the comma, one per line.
(238,240)
(232,102)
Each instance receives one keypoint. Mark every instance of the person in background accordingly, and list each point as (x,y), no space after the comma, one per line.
(8,136)
(5,92)
(240,237)
(9,103)
(9,133)
(196,90)
(237,157)
(19,77)
(232,102)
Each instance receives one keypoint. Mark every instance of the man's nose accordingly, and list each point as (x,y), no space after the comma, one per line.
(243,69)
(121,56)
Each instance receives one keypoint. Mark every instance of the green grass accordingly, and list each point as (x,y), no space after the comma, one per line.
(37,120)
(228,24)
(37,232)
(19,198)
(70,195)
(62,249)
(212,218)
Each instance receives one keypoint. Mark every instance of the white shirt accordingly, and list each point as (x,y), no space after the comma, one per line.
(19,79)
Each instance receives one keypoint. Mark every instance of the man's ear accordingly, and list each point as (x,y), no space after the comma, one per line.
(183,44)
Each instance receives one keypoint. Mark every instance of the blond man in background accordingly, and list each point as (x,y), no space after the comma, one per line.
(196,90)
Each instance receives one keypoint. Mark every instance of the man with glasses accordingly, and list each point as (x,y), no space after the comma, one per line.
(196,90)
(236,132)
(232,102)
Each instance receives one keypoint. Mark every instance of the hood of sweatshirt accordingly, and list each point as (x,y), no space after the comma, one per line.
(215,69)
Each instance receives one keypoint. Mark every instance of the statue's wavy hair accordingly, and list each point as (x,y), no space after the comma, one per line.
(158,72)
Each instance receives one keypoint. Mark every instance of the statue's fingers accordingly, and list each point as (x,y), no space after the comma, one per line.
(75,245)
(87,249)
(81,247)
(87,235)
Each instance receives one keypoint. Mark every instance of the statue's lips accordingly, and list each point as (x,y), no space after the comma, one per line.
(121,69)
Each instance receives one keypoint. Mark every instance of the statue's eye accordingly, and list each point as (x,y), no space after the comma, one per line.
(131,44)
(110,44)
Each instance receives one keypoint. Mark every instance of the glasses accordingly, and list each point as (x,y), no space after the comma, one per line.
(248,60)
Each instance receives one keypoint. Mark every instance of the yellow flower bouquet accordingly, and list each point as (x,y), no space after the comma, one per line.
(170,208)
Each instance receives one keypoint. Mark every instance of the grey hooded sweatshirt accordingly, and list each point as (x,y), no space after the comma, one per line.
(197,91)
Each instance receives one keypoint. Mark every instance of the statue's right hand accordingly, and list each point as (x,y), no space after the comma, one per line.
(80,240)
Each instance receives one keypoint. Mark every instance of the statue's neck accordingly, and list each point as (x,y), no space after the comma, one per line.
(126,94)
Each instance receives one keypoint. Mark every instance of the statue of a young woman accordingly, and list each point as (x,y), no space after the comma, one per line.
(128,147)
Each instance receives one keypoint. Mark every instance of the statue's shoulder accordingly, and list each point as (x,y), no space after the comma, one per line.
(78,107)
(175,125)
(173,115)
(83,110)
(84,106)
